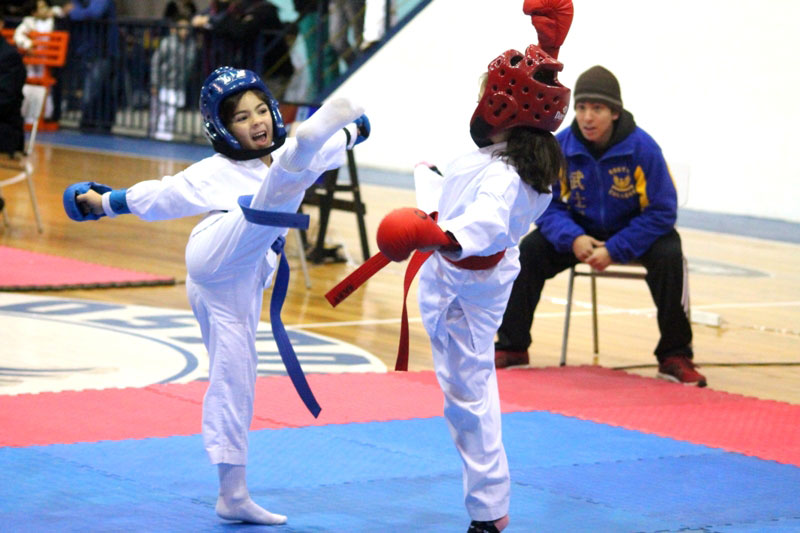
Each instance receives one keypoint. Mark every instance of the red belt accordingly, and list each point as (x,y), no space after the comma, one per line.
(348,286)
(478,262)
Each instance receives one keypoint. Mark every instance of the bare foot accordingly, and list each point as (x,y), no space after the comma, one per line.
(248,511)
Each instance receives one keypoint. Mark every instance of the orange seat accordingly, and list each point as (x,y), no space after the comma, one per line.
(49,49)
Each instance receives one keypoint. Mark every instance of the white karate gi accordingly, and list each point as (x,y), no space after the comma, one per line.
(488,208)
(229,263)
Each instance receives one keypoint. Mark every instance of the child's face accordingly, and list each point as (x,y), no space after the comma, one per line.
(252,123)
(42,10)
(182,29)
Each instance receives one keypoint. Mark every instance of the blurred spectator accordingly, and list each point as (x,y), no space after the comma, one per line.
(170,68)
(180,9)
(315,61)
(12,79)
(375,21)
(235,28)
(41,18)
(346,17)
(94,42)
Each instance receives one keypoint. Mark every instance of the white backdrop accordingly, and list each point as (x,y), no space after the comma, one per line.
(713,81)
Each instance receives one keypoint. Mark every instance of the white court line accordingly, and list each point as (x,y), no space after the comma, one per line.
(353,323)
(604,310)
(741,305)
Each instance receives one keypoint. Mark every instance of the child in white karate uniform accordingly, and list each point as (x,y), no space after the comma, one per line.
(229,260)
(486,202)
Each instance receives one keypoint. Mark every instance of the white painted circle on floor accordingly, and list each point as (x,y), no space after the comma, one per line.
(56,344)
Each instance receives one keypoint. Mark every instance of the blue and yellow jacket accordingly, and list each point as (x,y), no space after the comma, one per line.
(625,197)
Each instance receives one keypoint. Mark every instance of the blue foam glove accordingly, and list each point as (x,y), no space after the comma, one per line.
(363,127)
(71,205)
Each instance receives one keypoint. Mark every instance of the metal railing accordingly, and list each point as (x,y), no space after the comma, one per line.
(142,77)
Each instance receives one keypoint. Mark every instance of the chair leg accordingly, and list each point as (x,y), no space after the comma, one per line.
(32,191)
(595,333)
(567,314)
(301,252)
(5,214)
(359,205)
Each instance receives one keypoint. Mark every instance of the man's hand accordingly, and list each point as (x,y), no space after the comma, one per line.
(584,246)
(599,260)
(552,19)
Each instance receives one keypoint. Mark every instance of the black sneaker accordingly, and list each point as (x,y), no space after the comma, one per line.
(482,527)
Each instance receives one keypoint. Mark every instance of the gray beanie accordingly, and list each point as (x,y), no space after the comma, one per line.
(598,84)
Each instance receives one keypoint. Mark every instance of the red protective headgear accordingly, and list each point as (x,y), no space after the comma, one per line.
(521,90)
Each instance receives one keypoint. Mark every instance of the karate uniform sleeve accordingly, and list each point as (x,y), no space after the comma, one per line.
(187,193)
(428,187)
(483,227)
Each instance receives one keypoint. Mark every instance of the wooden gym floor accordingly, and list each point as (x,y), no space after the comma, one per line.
(755,351)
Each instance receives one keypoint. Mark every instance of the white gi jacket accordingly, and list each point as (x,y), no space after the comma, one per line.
(488,208)
(229,262)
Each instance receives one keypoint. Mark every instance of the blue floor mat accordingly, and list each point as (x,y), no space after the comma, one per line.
(567,475)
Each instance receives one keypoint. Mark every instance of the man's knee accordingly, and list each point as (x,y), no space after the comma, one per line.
(532,247)
(665,251)
(540,258)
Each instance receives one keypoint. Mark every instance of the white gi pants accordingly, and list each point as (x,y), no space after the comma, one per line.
(228,268)
(468,379)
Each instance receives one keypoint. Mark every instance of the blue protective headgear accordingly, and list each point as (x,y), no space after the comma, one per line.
(225,82)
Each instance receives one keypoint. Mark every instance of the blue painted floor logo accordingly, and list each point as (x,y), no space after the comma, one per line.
(56,344)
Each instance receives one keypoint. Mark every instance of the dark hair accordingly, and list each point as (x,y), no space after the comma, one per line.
(536,155)
(228,106)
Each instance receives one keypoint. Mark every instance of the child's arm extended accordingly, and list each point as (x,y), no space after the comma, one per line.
(84,201)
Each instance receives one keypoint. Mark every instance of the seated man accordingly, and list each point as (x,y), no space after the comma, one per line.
(617,203)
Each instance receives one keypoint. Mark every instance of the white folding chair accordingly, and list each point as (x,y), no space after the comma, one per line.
(628,271)
(32,108)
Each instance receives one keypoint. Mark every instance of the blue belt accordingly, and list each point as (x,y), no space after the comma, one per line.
(293,368)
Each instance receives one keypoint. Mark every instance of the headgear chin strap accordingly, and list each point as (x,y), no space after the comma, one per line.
(521,90)
(225,82)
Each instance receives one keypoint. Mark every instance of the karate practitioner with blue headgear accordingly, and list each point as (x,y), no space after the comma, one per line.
(231,253)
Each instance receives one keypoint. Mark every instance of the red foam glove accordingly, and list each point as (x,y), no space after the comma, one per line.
(407,229)
(552,19)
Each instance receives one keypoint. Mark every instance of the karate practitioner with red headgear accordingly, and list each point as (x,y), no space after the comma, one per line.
(486,201)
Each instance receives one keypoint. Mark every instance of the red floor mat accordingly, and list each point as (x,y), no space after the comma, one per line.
(761,428)
(23,270)
(765,429)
